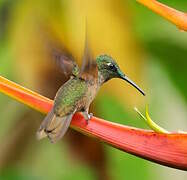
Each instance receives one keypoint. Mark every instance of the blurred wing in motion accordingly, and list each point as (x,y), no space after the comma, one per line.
(59,53)
(65,61)
(54,127)
(89,66)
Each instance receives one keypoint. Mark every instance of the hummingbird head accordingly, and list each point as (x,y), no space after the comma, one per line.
(108,69)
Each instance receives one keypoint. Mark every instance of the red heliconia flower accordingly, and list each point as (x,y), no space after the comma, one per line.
(168,149)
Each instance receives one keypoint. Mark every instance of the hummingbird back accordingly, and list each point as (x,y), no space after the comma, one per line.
(69,99)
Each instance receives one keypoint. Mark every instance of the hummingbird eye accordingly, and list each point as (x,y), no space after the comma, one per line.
(112,67)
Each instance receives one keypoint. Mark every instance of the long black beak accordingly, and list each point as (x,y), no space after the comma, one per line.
(132,83)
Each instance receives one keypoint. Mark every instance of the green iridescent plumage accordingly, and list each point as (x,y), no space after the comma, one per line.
(68,96)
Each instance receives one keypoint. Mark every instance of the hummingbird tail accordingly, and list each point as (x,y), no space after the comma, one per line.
(54,127)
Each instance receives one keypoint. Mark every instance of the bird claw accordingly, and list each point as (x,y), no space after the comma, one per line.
(87,116)
(90,115)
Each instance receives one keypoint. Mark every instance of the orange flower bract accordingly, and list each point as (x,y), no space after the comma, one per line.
(166,149)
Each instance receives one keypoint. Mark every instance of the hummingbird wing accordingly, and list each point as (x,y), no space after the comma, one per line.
(59,53)
(64,60)
(89,66)
(54,127)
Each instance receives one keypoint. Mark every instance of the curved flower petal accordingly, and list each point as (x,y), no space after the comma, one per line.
(25,96)
(174,16)
(166,149)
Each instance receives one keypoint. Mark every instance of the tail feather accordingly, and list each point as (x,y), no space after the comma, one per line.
(54,127)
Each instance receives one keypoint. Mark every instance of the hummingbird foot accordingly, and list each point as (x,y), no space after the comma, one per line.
(87,116)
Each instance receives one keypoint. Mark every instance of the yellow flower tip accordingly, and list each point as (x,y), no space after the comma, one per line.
(150,122)
(153,125)
(140,114)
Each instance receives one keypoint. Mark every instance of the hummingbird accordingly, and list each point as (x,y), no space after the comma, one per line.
(79,91)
